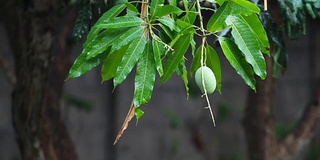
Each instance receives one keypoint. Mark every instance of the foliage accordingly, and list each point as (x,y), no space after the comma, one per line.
(292,23)
(84,14)
(294,14)
(155,39)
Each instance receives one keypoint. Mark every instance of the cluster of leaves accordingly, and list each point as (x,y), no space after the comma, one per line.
(292,23)
(294,15)
(312,7)
(156,38)
(276,35)
(84,18)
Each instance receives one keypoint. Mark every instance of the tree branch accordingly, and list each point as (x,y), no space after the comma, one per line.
(304,130)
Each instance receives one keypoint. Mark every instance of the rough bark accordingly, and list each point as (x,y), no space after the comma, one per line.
(35,100)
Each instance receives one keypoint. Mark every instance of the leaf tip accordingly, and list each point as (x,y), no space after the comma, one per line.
(138,113)
(71,76)
(263,76)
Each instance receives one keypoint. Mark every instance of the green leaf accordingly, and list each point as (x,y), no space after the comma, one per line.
(169,23)
(131,10)
(112,62)
(294,17)
(193,46)
(102,42)
(101,6)
(184,25)
(213,62)
(164,37)
(186,28)
(145,77)
(138,113)
(154,6)
(171,64)
(217,21)
(121,22)
(83,19)
(166,10)
(220,2)
(186,5)
(127,37)
(182,72)
(173,2)
(237,61)
(310,10)
(279,53)
(83,65)
(167,31)
(158,50)
(254,24)
(132,55)
(312,7)
(196,62)
(190,17)
(113,12)
(248,44)
(243,7)
(280,58)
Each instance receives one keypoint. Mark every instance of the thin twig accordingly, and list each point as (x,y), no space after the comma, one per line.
(166,46)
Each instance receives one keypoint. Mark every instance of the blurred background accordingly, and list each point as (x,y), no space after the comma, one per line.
(173,127)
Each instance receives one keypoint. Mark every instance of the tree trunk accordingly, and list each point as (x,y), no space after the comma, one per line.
(259,121)
(35,100)
(259,125)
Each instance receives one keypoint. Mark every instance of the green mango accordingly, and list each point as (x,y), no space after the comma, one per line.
(209,79)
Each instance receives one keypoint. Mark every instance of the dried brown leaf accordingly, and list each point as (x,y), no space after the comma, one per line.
(125,123)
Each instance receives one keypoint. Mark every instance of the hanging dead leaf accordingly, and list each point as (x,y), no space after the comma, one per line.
(125,123)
